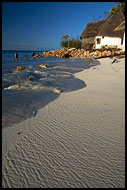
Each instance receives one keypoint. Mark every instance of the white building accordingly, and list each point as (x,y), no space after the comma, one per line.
(104,33)
(108,41)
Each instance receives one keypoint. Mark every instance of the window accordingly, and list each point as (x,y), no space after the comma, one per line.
(122,41)
(98,40)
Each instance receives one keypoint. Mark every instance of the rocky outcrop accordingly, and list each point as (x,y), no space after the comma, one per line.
(19,68)
(84,53)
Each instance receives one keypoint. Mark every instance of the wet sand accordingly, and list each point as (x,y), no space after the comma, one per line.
(76,141)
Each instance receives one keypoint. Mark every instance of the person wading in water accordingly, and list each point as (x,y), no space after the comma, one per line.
(16,55)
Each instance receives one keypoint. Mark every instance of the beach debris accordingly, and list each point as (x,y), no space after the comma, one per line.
(43,66)
(34,113)
(18,68)
(115,60)
(19,132)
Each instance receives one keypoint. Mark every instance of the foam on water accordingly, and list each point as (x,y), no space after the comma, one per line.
(35,87)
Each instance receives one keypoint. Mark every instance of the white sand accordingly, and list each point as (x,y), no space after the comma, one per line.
(78,140)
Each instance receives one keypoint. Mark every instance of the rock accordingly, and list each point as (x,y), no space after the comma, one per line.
(36,55)
(43,66)
(71,49)
(67,55)
(13,86)
(104,53)
(34,113)
(19,68)
(43,54)
(83,53)
(31,77)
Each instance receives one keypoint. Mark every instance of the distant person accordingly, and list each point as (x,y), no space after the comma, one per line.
(16,55)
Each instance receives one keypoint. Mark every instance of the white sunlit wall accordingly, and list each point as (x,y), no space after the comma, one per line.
(109,41)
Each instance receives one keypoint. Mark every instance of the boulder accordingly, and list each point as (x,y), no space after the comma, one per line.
(36,55)
(43,66)
(13,86)
(19,68)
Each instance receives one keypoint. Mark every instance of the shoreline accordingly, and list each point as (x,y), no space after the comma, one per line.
(75,141)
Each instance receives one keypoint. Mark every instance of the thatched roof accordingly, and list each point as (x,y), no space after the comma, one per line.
(91,29)
(121,26)
(105,27)
(108,28)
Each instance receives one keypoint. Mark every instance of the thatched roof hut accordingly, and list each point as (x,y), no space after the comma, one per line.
(91,29)
(108,28)
(105,27)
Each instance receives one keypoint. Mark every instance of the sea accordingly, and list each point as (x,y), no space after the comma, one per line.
(25,92)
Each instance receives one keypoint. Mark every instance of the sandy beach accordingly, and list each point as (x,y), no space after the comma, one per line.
(76,141)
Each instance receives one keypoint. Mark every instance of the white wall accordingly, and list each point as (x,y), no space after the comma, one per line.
(109,41)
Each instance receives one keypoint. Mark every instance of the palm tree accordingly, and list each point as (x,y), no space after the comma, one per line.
(66,37)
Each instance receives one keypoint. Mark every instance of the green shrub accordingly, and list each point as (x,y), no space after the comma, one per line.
(103,47)
(88,46)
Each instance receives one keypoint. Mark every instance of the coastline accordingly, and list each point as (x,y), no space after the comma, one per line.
(75,141)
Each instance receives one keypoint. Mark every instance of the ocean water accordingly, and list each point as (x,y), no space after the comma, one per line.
(25,92)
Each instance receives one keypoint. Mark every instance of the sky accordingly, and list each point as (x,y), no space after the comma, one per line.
(40,25)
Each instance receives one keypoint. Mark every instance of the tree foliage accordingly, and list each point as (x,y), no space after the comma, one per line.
(113,9)
(120,5)
(73,43)
(65,36)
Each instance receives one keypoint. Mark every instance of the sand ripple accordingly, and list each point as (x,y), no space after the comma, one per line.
(80,143)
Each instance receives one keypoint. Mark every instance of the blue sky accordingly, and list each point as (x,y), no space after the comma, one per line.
(40,25)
